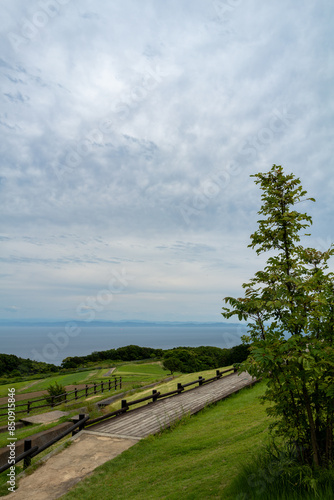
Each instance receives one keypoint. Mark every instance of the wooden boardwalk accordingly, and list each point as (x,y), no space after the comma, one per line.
(153,417)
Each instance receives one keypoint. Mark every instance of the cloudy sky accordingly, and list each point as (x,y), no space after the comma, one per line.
(129,130)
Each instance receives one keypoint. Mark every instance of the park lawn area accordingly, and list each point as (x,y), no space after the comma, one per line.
(67,379)
(19,386)
(196,459)
(154,368)
(133,376)
(82,377)
(129,371)
(143,373)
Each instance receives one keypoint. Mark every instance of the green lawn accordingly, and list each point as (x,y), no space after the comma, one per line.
(130,372)
(42,384)
(154,368)
(197,459)
(134,375)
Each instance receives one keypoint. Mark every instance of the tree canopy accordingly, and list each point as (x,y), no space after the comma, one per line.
(289,306)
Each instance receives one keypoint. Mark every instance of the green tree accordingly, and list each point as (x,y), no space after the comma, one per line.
(172,364)
(290,309)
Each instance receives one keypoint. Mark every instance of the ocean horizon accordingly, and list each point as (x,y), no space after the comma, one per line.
(52,344)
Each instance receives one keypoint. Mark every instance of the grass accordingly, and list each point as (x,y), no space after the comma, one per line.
(129,372)
(134,375)
(139,372)
(196,459)
(273,472)
(141,368)
(42,384)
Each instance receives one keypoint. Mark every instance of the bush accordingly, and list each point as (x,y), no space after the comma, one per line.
(276,473)
(56,394)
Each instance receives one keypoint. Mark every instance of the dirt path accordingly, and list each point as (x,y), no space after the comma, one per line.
(63,470)
(109,372)
(30,385)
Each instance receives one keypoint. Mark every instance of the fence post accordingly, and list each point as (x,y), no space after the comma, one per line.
(218,374)
(200,380)
(179,387)
(81,426)
(124,404)
(235,369)
(115,380)
(102,386)
(120,382)
(65,399)
(155,395)
(27,460)
(52,401)
(94,387)
(28,407)
(86,390)
(75,393)
(109,385)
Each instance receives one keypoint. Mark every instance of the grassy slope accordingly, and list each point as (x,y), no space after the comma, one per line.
(143,373)
(196,460)
(132,371)
(69,379)
(133,375)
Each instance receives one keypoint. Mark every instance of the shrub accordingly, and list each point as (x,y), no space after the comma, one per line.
(275,472)
(56,393)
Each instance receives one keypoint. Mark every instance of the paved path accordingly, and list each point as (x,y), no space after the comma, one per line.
(63,470)
(103,441)
(45,418)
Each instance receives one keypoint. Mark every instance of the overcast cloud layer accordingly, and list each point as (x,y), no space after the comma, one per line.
(129,130)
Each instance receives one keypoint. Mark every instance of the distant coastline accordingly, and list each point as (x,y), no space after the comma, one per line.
(26,322)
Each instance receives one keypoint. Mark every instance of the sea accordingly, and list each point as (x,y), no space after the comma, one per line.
(52,344)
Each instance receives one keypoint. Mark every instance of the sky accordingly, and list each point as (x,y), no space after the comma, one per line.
(129,131)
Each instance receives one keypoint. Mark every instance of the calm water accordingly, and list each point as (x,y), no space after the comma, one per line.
(53,344)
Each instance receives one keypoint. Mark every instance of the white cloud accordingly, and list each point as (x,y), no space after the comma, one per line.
(129,134)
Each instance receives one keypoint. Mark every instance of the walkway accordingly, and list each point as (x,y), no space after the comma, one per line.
(152,418)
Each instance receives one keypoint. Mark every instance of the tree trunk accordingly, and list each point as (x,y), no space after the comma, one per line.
(312,427)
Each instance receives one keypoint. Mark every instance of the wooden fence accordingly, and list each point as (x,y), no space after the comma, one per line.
(158,395)
(66,397)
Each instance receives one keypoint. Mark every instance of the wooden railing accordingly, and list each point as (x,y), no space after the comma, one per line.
(66,397)
(32,451)
(125,405)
